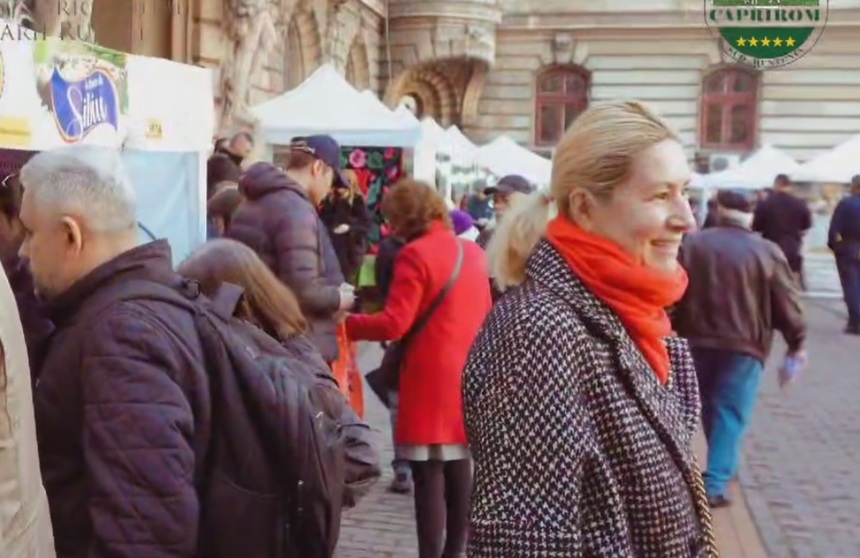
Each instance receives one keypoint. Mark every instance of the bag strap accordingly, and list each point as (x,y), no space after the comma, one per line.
(183,294)
(422,321)
(186,295)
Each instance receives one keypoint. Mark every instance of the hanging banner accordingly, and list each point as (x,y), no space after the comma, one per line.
(59,92)
(83,86)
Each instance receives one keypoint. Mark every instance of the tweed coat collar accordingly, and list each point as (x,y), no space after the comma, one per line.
(659,403)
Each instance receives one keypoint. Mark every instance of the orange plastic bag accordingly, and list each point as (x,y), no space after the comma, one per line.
(346,372)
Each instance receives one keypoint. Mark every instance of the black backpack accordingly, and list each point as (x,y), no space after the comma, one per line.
(271,476)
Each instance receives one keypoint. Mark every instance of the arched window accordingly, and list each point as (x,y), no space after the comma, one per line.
(562,94)
(729,110)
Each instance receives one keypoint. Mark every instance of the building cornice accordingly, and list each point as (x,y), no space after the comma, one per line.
(379,7)
(449,9)
(689,19)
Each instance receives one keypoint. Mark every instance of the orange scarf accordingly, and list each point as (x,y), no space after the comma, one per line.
(637,294)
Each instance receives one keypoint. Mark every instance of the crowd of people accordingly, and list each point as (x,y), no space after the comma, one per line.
(547,365)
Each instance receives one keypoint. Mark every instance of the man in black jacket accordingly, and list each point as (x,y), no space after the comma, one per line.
(844,239)
(784,219)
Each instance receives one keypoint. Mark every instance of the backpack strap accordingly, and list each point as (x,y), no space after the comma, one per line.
(186,295)
(226,300)
(422,321)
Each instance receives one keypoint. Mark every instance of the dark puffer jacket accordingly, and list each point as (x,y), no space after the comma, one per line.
(278,221)
(121,403)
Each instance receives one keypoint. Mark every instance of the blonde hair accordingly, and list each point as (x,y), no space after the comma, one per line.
(595,154)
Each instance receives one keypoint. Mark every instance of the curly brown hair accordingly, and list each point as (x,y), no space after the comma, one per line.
(411,206)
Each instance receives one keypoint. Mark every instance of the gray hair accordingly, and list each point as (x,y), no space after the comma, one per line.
(87,181)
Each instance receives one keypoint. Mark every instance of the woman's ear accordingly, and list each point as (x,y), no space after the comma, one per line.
(580,207)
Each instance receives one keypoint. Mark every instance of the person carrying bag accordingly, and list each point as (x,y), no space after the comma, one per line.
(386,378)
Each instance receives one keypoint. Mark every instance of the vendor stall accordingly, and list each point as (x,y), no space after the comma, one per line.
(836,166)
(505,156)
(326,103)
(55,93)
(757,171)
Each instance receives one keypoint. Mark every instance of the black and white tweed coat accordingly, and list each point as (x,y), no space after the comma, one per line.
(579,450)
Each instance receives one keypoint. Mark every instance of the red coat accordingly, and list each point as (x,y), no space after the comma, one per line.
(430,408)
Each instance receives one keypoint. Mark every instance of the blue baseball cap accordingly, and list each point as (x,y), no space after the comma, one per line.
(327,150)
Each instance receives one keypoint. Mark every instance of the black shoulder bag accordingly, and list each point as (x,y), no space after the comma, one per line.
(386,379)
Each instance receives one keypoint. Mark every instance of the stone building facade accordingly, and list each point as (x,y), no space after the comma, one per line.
(524,68)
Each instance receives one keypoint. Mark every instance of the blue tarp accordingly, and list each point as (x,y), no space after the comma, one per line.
(168,199)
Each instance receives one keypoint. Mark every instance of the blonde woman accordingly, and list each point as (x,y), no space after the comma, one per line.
(580,408)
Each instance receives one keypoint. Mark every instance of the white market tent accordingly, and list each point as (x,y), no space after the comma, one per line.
(403,113)
(505,156)
(432,132)
(456,145)
(326,103)
(838,165)
(158,113)
(757,171)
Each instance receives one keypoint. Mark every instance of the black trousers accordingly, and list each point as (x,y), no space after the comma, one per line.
(443,490)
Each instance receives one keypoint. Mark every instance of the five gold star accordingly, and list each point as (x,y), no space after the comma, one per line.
(765,42)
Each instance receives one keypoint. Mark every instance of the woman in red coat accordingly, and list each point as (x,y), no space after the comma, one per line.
(430,418)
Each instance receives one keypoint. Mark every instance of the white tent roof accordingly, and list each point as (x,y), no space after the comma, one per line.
(371,96)
(402,112)
(432,132)
(455,144)
(838,165)
(758,171)
(505,156)
(326,104)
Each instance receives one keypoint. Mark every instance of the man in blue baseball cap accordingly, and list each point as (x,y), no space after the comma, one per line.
(278,219)
(326,152)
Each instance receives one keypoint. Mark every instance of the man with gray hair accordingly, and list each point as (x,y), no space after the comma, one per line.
(122,390)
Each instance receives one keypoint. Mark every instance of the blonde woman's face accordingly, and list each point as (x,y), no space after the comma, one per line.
(650,213)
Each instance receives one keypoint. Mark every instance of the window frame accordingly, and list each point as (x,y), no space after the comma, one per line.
(559,99)
(727,99)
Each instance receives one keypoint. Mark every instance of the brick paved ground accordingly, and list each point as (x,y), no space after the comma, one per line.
(382,526)
(800,472)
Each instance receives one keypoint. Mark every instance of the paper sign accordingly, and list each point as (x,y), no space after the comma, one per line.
(15,132)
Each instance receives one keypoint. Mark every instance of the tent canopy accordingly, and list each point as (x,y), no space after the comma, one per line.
(403,113)
(505,156)
(326,103)
(838,165)
(758,171)
(456,145)
(432,132)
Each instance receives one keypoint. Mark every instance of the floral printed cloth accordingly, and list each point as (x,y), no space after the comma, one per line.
(375,170)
